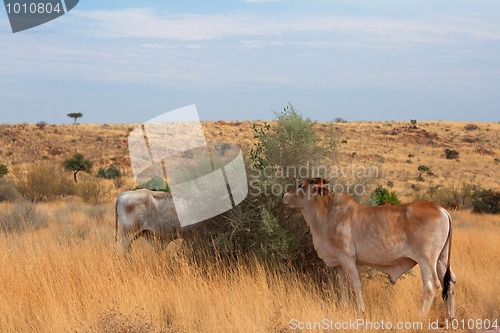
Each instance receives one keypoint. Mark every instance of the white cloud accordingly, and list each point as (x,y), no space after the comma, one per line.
(146,23)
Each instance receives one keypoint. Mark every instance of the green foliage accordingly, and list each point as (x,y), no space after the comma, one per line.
(292,143)
(381,196)
(257,153)
(4,170)
(423,169)
(23,217)
(76,164)
(451,154)
(261,225)
(110,173)
(156,183)
(75,116)
(486,201)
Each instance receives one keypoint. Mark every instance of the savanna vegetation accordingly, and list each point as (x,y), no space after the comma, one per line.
(252,269)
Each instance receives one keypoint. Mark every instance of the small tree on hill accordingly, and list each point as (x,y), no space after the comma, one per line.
(424,169)
(3,170)
(75,116)
(76,164)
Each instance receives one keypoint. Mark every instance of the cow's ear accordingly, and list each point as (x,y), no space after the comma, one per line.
(312,181)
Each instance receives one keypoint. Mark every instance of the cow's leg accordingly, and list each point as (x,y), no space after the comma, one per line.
(342,282)
(430,283)
(450,298)
(124,240)
(352,274)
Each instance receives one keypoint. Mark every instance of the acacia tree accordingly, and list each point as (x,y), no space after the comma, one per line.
(76,164)
(75,116)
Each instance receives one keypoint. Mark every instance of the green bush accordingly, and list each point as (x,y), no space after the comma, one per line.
(381,196)
(486,201)
(110,173)
(156,183)
(291,144)
(23,217)
(261,226)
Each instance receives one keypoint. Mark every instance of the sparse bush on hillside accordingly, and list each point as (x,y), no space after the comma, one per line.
(471,127)
(486,201)
(41,124)
(44,182)
(23,217)
(449,196)
(451,154)
(109,173)
(4,170)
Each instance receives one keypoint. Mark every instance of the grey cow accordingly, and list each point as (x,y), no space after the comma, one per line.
(145,213)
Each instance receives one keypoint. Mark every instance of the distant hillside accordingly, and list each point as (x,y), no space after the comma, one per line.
(395,148)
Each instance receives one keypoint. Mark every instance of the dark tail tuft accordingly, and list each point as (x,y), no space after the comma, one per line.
(446,283)
(116,221)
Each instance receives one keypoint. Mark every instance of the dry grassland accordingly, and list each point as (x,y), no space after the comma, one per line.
(394,148)
(68,278)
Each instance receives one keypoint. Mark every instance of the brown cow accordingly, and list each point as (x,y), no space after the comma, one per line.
(391,239)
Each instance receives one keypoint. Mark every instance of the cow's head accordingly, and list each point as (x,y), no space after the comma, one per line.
(305,192)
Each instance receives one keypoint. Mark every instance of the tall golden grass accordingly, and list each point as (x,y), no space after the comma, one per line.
(68,277)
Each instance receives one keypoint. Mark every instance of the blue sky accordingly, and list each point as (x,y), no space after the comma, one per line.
(128,61)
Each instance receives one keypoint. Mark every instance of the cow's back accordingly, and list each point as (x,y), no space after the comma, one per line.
(384,233)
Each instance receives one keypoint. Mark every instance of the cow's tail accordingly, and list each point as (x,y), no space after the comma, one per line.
(116,220)
(447,275)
